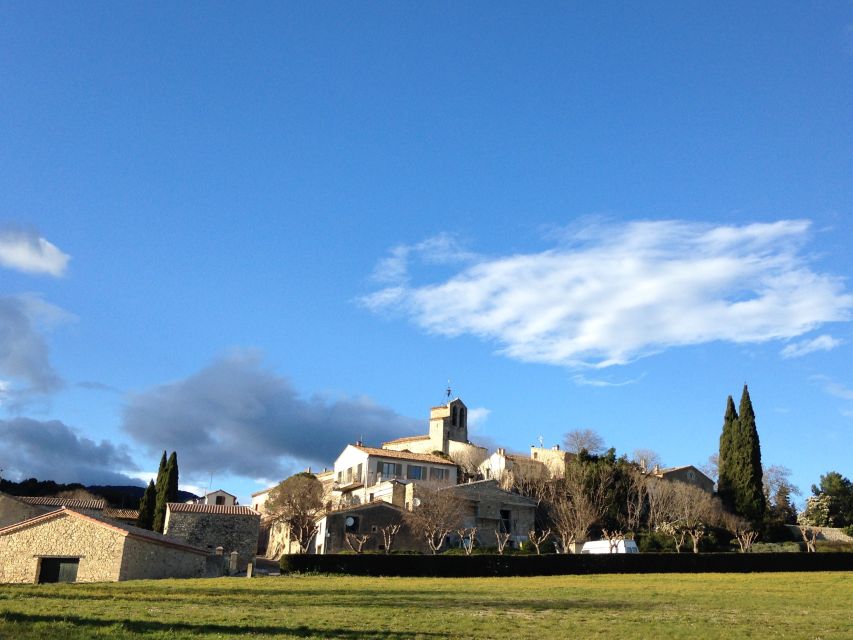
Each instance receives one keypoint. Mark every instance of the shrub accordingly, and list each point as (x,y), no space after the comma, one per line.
(776,547)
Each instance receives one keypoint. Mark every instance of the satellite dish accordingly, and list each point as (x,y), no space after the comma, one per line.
(349,521)
(416,502)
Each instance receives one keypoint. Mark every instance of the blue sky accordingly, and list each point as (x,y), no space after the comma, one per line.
(256,235)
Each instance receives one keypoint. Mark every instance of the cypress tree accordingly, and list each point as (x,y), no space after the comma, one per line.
(749,495)
(726,462)
(162,488)
(146,507)
(172,478)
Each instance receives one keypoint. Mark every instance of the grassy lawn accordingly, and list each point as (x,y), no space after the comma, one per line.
(767,605)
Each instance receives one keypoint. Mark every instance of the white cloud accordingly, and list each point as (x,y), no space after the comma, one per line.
(28,252)
(595,382)
(477,416)
(799,349)
(834,388)
(612,294)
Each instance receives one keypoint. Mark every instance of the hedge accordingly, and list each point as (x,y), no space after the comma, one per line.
(544,565)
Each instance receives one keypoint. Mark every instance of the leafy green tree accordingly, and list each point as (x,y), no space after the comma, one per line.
(167,489)
(740,486)
(146,507)
(726,461)
(749,499)
(297,503)
(172,478)
(840,492)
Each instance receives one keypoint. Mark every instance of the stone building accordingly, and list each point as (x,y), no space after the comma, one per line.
(555,459)
(217,497)
(687,474)
(365,474)
(508,468)
(209,526)
(364,520)
(490,509)
(448,433)
(13,509)
(69,546)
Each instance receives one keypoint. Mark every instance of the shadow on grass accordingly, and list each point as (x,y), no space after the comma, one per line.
(198,630)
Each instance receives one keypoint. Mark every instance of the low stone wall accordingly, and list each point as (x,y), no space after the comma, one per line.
(148,560)
(211,530)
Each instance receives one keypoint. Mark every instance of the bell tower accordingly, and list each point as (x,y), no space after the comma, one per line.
(448,422)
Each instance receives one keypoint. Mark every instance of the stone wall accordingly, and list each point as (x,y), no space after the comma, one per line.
(210,530)
(99,549)
(149,560)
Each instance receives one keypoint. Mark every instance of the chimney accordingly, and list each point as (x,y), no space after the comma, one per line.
(556,447)
(501,451)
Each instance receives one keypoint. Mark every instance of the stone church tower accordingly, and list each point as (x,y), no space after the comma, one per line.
(448,422)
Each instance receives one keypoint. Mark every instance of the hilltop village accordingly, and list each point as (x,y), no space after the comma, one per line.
(367,491)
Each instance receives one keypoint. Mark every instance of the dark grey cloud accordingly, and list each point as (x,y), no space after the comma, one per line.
(51,450)
(236,416)
(24,354)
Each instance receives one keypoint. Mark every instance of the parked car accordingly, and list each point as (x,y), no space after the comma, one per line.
(603,546)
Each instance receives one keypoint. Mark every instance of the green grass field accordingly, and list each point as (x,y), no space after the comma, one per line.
(767,605)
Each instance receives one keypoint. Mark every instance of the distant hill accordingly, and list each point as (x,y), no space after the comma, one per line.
(121,497)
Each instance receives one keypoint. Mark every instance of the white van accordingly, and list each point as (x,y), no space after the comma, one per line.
(603,546)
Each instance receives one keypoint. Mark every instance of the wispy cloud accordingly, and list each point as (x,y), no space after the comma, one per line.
(478,416)
(28,252)
(611,294)
(596,382)
(799,349)
(834,388)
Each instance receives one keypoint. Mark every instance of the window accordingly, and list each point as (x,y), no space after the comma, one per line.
(373,528)
(453,418)
(358,473)
(414,472)
(390,469)
(370,498)
(535,455)
(58,569)
(438,474)
(349,474)
(220,499)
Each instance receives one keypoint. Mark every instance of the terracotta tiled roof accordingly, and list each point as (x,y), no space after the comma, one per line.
(406,439)
(121,514)
(71,503)
(122,528)
(219,509)
(404,455)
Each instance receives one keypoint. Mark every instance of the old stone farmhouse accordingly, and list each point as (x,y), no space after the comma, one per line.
(65,545)
(210,526)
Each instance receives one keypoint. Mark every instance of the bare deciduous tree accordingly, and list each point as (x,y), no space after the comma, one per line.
(742,529)
(297,503)
(389,534)
(502,538)
(577,440)
(537,538)
(356,542)
(613,539)
(437,514)
(646,459)
(689,510)
(468,536)
(578,500)
(637,493)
